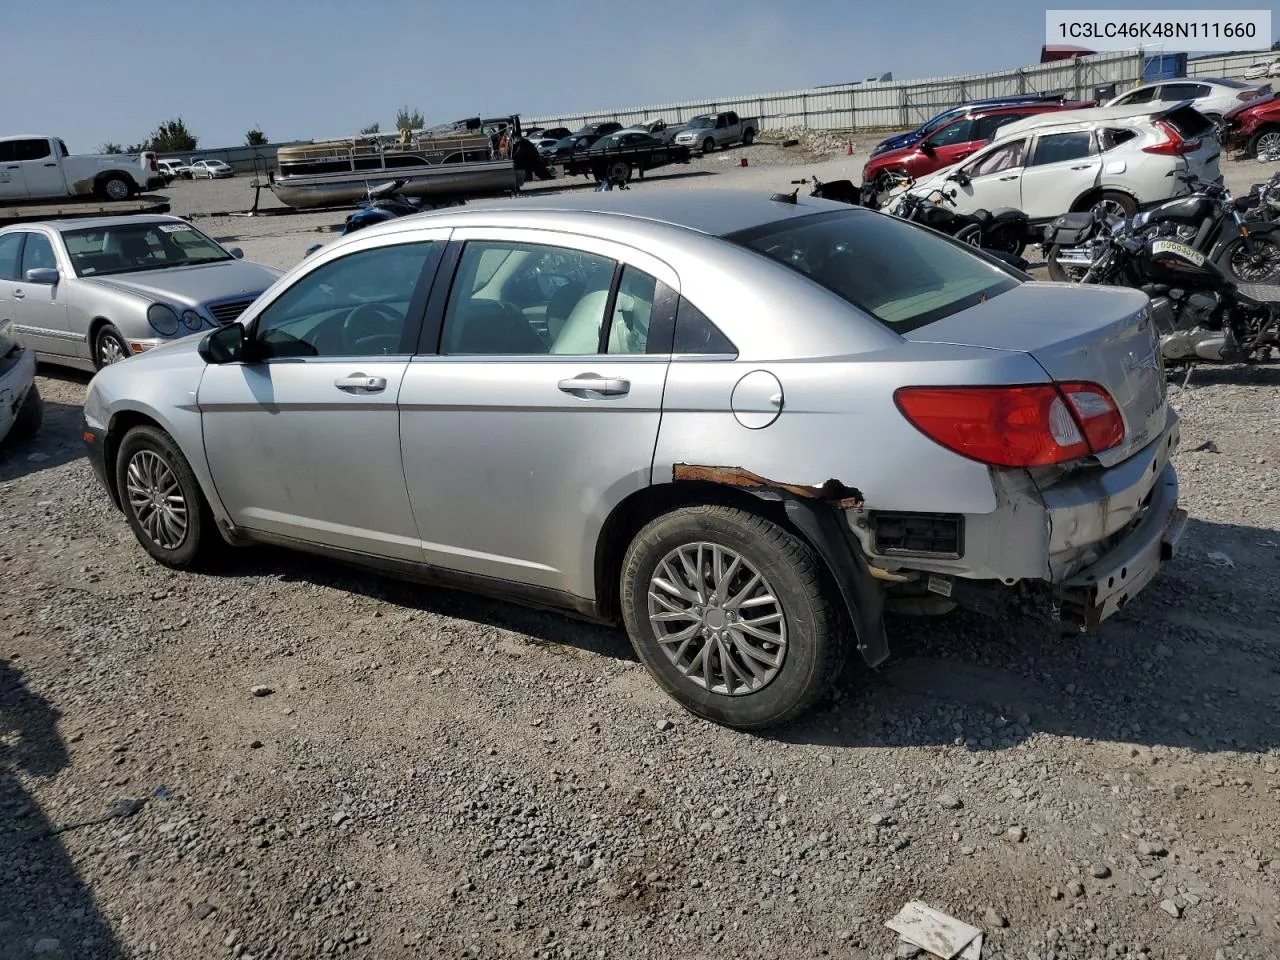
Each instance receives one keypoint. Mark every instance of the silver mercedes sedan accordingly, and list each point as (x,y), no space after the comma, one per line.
(88,292)
(742,426)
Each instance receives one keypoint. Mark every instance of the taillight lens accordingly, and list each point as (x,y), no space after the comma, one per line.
(1248,94)
(1173,145)
(1027,426)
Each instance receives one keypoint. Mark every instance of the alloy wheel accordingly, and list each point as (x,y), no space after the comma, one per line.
(1259,267)
(110,350)
(717,619)
(156,499)
(1269,144)
(1112,209)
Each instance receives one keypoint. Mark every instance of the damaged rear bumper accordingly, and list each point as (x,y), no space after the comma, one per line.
(1107,585)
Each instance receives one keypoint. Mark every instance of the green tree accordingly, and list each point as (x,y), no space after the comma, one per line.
(255,138)
(172,136)
(371,129)
(142,147)
(109,147)
(408,119)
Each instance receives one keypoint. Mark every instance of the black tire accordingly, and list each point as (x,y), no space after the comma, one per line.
(1265,136)
(1007,240)
(620,170)
(1056,270)
(1113,199)
(816,630)
(970,234)
(30,416)
(1262,267)
(749,137)
(200,539)
(115,186)
(103,342)
(709,145)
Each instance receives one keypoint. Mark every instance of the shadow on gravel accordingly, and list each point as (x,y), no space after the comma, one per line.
(55,443)
(547,627)
(45,909)
(1193,662)
(1236,374)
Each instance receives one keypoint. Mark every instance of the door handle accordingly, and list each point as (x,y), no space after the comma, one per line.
(1014,177)
(590,382)
(358,381)
(1084,166)
(18,294)
(50,164)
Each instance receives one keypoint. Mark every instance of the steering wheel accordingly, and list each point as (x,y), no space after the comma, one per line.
(370,320)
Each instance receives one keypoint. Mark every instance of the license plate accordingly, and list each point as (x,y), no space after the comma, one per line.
(1180,249)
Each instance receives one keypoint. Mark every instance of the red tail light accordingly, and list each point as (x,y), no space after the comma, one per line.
(1027,426)
(1173,144)
(1248,94)
(151,158)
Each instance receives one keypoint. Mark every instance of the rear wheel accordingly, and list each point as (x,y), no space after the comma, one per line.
(1113,203)
(620,170)
(162,500)
(1060,272)
(748,138)
(972,235)
(733,615)
(115,187)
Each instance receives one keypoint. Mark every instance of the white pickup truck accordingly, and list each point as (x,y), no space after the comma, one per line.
(711,130)
(41,168)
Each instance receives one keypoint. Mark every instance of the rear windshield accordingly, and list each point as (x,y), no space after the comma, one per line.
(903,275)
(1189,122)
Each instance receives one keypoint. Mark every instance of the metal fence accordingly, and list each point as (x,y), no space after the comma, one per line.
(1230,65)
(880,105)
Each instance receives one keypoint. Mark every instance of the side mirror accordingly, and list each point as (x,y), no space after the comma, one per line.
(237,253)
(927,148)
(47,276)
(224,345)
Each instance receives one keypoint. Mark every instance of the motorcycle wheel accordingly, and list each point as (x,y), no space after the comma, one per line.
(1060,272)
(1263,266)
(972,235)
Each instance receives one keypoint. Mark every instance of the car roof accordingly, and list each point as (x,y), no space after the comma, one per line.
(1084,116)
(711,211)
(88,223)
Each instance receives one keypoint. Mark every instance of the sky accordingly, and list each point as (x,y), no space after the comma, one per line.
(304,69)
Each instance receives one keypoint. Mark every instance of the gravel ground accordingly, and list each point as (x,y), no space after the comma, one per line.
(289,759)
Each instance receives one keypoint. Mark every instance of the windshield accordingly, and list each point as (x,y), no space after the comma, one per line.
(131,247)
(904,275)
(939,120)
(701,123)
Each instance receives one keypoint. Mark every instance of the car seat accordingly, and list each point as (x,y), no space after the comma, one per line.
(490,328)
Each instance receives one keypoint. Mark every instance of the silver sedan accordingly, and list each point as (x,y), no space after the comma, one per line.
(743,427)
(89,292)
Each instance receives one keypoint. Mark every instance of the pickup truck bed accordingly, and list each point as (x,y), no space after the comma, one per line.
(618,161)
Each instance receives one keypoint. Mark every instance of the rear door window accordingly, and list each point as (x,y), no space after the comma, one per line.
(1140,95)
(1111,137)
(904,275)
(987,126)
(1175,92)
(1061,147)
(32,149)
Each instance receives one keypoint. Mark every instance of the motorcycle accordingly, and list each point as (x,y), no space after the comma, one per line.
(381,203)
(1199,312)
(1209,220)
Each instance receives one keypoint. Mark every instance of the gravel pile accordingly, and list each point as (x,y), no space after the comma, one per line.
(286,759)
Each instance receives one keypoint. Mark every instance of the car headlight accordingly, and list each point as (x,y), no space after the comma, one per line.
(163,319)
(192,319)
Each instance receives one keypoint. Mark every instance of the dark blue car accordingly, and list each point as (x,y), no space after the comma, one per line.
(899,140)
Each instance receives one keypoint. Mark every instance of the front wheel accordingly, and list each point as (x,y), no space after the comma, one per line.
(708,145)
(733,615)
(162,500)
(1265,144)
(30,416)
(108,347)
(1259,265)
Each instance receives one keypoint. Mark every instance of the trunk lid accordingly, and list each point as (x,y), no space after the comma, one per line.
(1191,124)
(1100,334)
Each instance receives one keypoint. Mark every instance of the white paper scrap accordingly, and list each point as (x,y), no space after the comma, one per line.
(943,936)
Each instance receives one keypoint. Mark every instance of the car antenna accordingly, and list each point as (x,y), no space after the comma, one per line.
(786,197)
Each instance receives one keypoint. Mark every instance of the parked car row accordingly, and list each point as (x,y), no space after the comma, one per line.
(195,169)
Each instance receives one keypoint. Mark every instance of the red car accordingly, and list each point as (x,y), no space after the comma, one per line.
(1253,126)
(955,141)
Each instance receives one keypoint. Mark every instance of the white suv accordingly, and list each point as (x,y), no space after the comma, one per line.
(1116,158)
